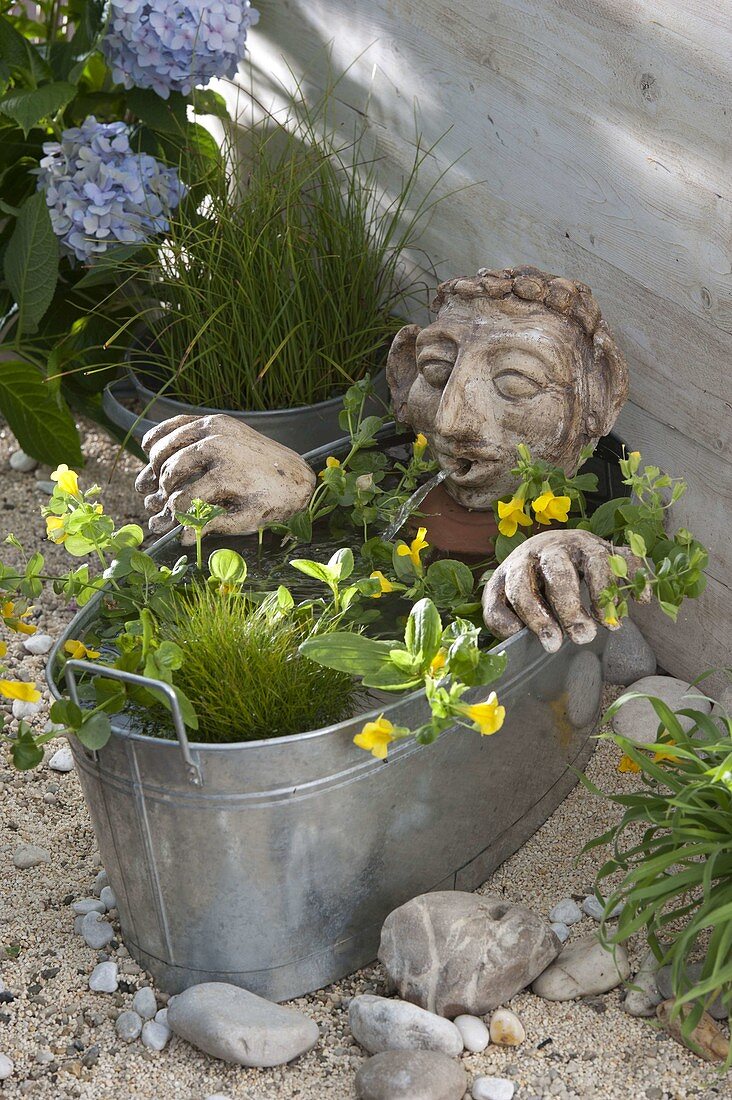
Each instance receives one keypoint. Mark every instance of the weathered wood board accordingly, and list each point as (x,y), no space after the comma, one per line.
(593,138)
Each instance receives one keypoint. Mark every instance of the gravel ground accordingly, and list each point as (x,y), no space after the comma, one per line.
(61,1036)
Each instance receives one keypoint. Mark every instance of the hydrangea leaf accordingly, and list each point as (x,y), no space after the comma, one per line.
(29,106)
(31,263)
(41,421)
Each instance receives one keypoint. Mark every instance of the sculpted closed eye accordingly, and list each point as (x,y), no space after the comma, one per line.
(436,371)
(514,384)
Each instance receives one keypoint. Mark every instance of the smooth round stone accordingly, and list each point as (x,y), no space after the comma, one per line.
(78,921)
(38,644)
(107,897)
(62,760)
(128,1026)
(595,909)
(100,882)
(566,911)
(155,1036)
(161,1017)
(46,486)
(475,1034)
(411,1074)
(21,709)
(560,930)
(22,463)
(385,1023)
(96,931)
(644,1000)
(506,1028)
(583,969)
(237,1026)
(638,721)
(492,1088)
(6,1067)
(144,1003)
(104,978)
(29,855)
(88,905)
(628,656)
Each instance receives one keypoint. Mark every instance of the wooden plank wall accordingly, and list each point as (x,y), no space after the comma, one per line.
(595,140)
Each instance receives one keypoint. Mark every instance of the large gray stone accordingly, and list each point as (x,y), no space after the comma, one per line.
(583,969)
(237,1026)
(693,973)
(627,656)
(384,1023)
(411,1075)
(456,953)
(638,721)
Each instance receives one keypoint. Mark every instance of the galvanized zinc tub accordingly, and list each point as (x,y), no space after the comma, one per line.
(272,864)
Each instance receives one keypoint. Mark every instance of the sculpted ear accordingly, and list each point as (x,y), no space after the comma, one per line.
(608,383)
(401,368)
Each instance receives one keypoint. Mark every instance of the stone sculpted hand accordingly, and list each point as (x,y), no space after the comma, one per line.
(223,461)
(538,585)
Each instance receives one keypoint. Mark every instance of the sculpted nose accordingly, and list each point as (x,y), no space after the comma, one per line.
(460,412)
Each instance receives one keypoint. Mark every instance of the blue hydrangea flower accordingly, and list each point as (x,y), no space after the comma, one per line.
(100,193)
(174,45)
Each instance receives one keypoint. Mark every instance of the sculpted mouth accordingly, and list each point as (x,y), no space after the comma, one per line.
(465,471)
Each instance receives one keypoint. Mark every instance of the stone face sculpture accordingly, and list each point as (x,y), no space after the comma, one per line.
(514,356)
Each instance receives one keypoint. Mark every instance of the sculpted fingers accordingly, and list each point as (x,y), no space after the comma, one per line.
(176,440)
(497,615)
(522,590)
(146,480)
(192,462)
(154,435)
(598,575)
(562,591)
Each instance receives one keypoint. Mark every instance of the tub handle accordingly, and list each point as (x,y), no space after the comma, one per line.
(71,667)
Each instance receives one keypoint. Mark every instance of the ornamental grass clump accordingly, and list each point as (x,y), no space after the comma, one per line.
(242,671)
(672,851)
(282,287)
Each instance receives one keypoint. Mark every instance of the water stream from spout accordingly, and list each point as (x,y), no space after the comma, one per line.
(412,503)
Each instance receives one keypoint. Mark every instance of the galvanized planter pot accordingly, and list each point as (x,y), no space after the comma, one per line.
(272,864)
(302,429)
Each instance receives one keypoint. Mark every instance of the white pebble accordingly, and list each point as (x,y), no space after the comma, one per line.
(475,1034)
(154,1035)
(506,1028)
(492,1088)
(62,761)
(21,709)
(22,463)
(100,882)
(88,905)
(107,898)
(216,1096)
(144,1003)
(96,931)
(38,644)
(593,908)
(128,1026)
(566,911)
(561,931)
(6,1067)
(161,1016)
(104,978)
